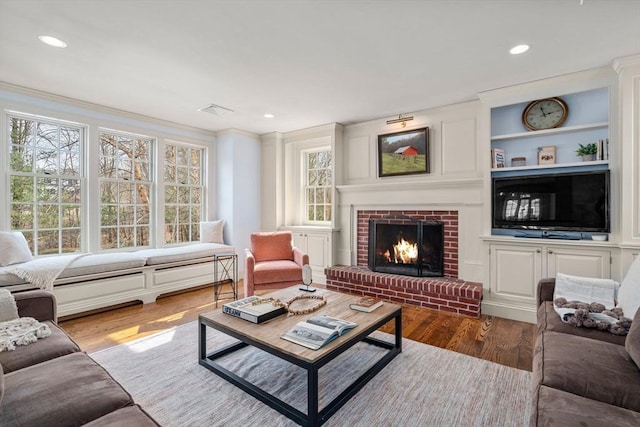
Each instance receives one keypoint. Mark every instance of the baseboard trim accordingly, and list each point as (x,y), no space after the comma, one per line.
(509,311)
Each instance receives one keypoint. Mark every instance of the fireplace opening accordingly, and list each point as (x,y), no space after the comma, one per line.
(402,245)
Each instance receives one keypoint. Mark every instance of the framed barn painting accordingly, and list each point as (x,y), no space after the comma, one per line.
(403,153)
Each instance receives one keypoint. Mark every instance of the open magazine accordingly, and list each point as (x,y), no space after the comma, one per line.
(317,331)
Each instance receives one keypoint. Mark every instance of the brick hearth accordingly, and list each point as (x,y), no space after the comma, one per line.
(440,293)
(445,294)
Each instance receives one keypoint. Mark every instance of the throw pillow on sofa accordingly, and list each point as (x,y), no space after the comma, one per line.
(13,248)
(629,293)
(632,343)
(584,289)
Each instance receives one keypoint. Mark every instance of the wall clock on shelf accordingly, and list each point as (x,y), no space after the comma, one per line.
(545,113)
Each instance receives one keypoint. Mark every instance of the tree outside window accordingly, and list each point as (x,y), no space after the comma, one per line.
(183,190)
(46,178)
(125,191)
(318,185)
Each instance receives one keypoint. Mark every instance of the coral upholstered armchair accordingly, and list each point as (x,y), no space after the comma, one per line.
(272,262)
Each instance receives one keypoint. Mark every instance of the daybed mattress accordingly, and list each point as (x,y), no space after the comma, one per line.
(184,253)
(87,264)
(104,263)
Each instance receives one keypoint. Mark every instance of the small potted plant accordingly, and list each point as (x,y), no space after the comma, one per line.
(587,152)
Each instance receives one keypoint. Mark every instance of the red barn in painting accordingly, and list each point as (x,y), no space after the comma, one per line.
(406,151)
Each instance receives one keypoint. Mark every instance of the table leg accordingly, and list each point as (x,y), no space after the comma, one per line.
(312,396)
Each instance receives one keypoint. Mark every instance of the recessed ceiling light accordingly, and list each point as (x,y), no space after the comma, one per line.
(269,116)
(521,48)
(52,41)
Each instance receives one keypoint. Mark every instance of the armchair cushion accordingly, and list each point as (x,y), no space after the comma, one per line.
(272,246)
(276,271)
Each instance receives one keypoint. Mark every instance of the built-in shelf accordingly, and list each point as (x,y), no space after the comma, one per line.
(555,166)
(555,131)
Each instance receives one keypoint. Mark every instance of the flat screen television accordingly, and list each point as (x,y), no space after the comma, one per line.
(561,202)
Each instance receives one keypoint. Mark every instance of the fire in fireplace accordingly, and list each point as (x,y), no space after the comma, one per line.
(402,245)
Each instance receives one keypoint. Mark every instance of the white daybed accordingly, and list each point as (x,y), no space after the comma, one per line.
(97,281)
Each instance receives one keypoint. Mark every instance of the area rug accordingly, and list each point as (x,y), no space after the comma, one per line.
(424,385)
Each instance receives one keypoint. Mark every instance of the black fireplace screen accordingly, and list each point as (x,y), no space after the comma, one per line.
(405,246)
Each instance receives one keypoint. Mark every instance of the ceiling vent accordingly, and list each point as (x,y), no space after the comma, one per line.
(215,110)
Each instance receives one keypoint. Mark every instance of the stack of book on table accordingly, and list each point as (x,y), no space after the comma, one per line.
(366,304)
(254,309)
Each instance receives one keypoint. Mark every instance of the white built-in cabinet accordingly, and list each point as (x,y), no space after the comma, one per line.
(515,265)
(516,269)
(317,243)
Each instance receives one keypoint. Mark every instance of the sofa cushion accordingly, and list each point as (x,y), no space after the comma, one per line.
(549,320)
(272,246)
(276,271)
(1,384)
(184,253)
(554,407)
(56,345)
(586,367)
(102,263)
(131,416)
(67,391)
(13,248)
(212,231)
(632,344)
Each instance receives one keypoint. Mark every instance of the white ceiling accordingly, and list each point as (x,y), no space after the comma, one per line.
(308,62)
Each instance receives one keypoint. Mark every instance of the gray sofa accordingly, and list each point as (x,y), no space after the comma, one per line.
(52,382)
(583,377)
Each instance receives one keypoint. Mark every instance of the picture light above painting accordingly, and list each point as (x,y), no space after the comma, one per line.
(403,153)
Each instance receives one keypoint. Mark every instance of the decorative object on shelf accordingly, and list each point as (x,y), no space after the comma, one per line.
(403,153)
(587,152)
(602,151)
(545,113)
(547,155)
(518,161)
(292,312)
(400,119)
(497,158)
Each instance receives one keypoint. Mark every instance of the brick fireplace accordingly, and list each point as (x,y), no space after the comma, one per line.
(446,293)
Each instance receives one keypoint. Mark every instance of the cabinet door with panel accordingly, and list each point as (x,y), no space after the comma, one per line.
(578,262)
(318,246)
(515,271)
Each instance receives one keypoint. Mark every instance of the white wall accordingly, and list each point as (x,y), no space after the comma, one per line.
(238,188)
(454,183)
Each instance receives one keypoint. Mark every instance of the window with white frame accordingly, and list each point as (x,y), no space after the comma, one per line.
(183,191)
(125,178)
(317,186)
(46,175)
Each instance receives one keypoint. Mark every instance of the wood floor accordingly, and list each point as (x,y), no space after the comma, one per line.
(491,338)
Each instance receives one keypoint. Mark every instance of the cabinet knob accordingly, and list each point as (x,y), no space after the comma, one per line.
(550,251)
(538,250)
